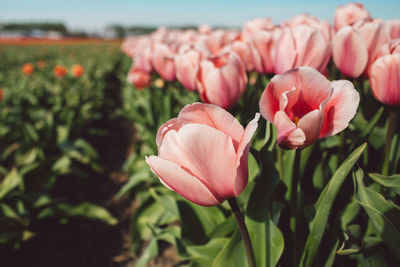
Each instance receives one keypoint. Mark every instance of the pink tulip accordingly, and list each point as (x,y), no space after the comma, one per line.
(202,154)
(302,45)
(392,47)
(186,65)
(349,14)
(252,26)
(354,48)
(244,50)
(265,44)
(204,29)
(305,106)
(163,61)
(142,60)
(394,28)
(212,43)
(221,80)
(139,78)
(306,19)
(385,79)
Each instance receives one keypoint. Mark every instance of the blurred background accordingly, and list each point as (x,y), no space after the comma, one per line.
(74,132)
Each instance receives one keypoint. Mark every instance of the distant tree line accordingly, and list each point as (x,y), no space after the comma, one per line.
(45,26)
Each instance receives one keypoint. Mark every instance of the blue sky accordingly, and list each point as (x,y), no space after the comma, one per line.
(95,14)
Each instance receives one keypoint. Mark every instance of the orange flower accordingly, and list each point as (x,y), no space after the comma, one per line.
(77,70)
(28,69)
(1,94)
(60,71)
(41,63)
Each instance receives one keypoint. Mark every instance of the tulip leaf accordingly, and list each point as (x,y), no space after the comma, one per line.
(385,216)
(387,181)
(204,255)
(267,239)
(324,205)
(150,252)
(232,254)
(371,124)
(11,181)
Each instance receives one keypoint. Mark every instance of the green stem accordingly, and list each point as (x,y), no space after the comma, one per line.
(243,231)
(280,162)
(389,136)
(293,203)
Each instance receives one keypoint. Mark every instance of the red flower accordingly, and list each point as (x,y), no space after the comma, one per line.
(60,71)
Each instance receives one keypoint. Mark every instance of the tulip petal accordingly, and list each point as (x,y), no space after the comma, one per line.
(285,56)
(170,124)
(181,181)
(289,137)
(269,102)
(215,117)
(340,108)
(314,87)
(385,79)
(349,51)
(310,124)
(242,155)
(204,152)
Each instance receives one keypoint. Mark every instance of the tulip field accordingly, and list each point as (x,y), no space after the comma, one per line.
(269,145)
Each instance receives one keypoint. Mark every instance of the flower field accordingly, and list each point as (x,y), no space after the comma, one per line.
(269,145)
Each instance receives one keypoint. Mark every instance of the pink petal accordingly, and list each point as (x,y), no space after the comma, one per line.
(285,56)
(242,155)
(385,79)
(269,102)
(314,87)
(349,51)
(215,117)
(289,137)
(312,49)
(206,153)
(310,124)
(177,179)
(339,109)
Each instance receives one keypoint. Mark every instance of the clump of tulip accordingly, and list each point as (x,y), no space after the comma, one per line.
(77,70)
(28,69)
(310,79)
(59,71)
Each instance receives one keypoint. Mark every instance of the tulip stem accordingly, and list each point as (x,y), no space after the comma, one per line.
(243,231)
(293,203)
(389,135)
(280,161)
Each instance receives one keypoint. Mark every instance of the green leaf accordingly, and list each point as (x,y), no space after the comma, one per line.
(87,210)
(371,124)
(385,216)
(204,255)
(12,180)
(149,253)
(387,181)
(266,238)
(134,180)
(324,205)
(168,202)
(233,253)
